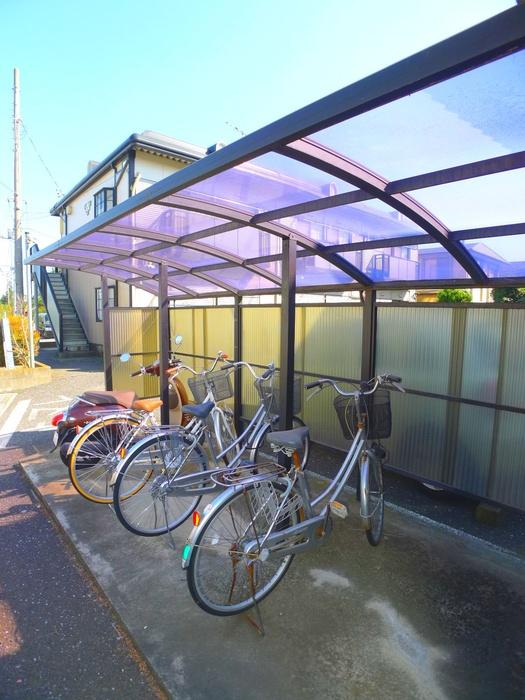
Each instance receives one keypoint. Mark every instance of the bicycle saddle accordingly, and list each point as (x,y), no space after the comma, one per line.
(291,439)
(201,410)
(104,398)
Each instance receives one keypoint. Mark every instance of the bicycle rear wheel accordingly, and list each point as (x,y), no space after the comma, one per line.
(222,578)
(372,499)
(143,500)
(95,455)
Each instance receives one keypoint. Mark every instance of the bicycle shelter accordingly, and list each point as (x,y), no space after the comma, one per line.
(410,178)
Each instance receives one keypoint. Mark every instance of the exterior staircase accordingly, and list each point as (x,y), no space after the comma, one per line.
(73,337)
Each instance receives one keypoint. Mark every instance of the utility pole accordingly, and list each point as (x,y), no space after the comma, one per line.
(19,273)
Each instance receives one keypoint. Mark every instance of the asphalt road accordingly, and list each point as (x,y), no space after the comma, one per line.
(59,638)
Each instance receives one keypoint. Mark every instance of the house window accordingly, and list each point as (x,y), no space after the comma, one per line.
(104,199)
(112,299)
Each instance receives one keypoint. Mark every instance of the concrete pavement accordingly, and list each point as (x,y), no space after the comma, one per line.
(429,614)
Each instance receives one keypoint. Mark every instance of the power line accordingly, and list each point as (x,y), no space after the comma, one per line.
(58,190)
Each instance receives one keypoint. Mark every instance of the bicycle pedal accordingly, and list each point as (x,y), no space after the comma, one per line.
(338,509)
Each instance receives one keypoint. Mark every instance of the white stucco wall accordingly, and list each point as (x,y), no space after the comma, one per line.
(150,168)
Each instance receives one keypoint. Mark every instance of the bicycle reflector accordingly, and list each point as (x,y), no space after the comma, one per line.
(56,419)
(186,552)
(196,517)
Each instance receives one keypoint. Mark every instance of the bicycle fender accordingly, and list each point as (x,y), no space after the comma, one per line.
(206,514)
(89,426)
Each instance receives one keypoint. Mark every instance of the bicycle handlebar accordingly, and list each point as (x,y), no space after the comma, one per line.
(265,375)
(391,379)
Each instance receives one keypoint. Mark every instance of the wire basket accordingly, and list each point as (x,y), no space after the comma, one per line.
(270,394)
(219,383)
(376,411)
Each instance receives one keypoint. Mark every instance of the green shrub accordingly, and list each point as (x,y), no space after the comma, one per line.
(454,296)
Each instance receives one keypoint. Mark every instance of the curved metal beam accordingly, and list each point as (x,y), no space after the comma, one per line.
(323,158)
(279,230)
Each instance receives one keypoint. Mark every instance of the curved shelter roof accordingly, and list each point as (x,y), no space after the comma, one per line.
(412,177)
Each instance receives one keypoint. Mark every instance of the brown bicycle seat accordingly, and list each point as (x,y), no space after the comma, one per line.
(147,405)
(105,398)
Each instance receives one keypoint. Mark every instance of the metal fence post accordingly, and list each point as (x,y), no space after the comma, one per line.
(237,356)
(164,343)
(106,329)
(368,346)
(287,333)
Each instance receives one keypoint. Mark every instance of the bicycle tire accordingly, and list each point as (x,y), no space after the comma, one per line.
(149,510)
(93,457)
(372,499)
(262,451)
(213,572)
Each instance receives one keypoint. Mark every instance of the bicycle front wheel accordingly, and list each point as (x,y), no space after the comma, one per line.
(144,501)
(95,456)
(372,499)
(223,579)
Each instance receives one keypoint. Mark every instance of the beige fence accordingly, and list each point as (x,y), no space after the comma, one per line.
(462,421)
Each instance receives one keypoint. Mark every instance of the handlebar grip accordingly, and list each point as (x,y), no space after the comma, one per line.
(136,374)
(267,374)
(312,384)
(393,378)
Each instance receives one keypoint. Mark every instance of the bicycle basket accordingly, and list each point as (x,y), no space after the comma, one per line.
(376,409)
(269,392)
(219,383)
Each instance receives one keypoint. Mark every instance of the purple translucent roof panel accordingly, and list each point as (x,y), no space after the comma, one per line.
(196,284)
(50,261)
(353,223)
(246,242)
(113,272)
(137,265)
(241,278)
(168,220)
(185,256)
(153,287)
(313,271)
(483,201)
(266,183)
(417,263)
(70,252)
(499,257)
(476,115)
(115,241)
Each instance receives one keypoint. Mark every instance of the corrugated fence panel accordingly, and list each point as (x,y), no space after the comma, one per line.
(414,342)
(181,323)
(417,444)
(261,334)
(473,448)
(332,340)
(133,330)
(508,480)
(218,330)
(513,363)
(481,354)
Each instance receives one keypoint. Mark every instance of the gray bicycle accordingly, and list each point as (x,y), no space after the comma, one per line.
(161,480)
(247,537)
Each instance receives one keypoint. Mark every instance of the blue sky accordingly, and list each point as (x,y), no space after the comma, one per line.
(93,73)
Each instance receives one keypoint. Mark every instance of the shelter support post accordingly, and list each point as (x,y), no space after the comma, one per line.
(108,375)
(164,343)
(289,264)
(237,356)
(368,346)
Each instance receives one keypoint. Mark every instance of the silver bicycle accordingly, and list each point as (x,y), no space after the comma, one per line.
(247,537)
(161,480)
